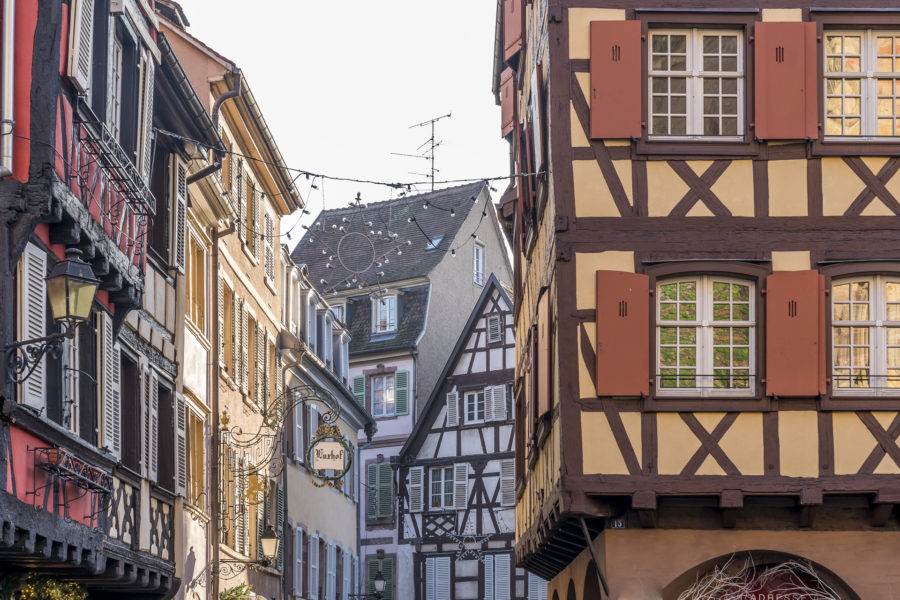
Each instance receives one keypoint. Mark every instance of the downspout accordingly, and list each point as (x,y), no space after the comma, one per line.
(218,155)
(6,117)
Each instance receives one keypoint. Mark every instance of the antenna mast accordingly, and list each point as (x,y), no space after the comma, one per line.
(431,142)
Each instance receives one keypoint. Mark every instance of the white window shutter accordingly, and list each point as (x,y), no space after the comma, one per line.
(220,305)
(145,146)
(33,303)
(313,567)
(442,582)
(498,402)
(494,329)
(299,448)
(345,572)
(269,245)
(356,572)
(253,220)
(145,410)
(331,568)
(154,426)
(112,402)
(81,43)
(429,578)
(358,474)
(181,457)
(507,482)
(298,561)
(502,577)
(245,351)
(537,588)
(489,577)
(452,409)
(460,485)
(415,488)
(178,239)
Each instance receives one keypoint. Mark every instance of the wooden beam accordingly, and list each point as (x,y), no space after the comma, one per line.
(66,232)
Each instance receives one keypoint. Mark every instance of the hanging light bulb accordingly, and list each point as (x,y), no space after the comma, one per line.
(399,252)
(341,228)
(387,260)
(324,251)
(368,223)
(380,273)
(425,206)
(345,220)
(452,213)
(452,252)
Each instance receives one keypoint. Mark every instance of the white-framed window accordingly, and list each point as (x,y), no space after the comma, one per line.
(384,314)
(865,335)
(115,88)
(478,264)
(338,310)
(862,83)
(442,487)
(475,407)
(706,336)
(696,83)
(383,395)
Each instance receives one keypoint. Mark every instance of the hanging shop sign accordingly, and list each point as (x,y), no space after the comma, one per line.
(328,456)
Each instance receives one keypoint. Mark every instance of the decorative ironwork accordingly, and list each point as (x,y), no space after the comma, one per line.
(229,568)
(335,479)
(63,467)
(25,356)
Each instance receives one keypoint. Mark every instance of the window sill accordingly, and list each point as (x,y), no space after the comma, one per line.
(270,284)
(703,146)
(249,254)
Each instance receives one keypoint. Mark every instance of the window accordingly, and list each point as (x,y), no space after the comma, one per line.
(196,284)
(383,396)
(437,578)
(478,264)
(115,88)
(380,491)
(338,310)
(865,334)
(494,329)
(862,83)
(537,588)
(442,487)
(196,454)
(696,83)
(384,314)
(475,407)
(386,567)
(497,577)
(706,336)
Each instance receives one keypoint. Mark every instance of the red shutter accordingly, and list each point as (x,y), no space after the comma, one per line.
(794,333)
(786,90)
(623,334)
(615,79)
(512,28)
(507,101)
(543,354)
(823,356)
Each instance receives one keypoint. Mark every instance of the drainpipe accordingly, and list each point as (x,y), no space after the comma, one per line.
(6,117)
(300,349)
(218,155)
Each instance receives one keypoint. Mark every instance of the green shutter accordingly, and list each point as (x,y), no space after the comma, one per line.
(371,483)
(359,389)
(385,490)
(386,566)
(401,393)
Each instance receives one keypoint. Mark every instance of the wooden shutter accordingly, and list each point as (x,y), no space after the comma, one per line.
(298,561)
(460,485)
(181,455)
(220,310)
(615,79)
(33,318)
(279,521)
(489,586)
(330,572)
(513,19)
(259,338)
(359,389)
(793,330)
(235,338)
(299,449)
(415,489)
(442,578)
(401,393)
(270,249)
(786,89)
(494,329)
(537,588)
(498,402)
(507,101)
(452,409)
(508,482)
(357,586)
(146,380)
(387,569)
(313,567)
(346,571)
(145,124)
(153,403)
(358,472)
(110,382)
(385,486)
(544,352)
(255,233)
(371,491)
(81,43)
(502,574)
(245,349)
(241,203)
(178,241)
(623,334)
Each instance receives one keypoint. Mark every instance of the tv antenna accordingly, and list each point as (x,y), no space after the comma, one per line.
(431,143)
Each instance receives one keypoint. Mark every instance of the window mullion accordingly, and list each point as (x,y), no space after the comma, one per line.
(704,334)
(694,62)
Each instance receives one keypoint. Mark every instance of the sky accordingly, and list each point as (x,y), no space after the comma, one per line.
(340,82)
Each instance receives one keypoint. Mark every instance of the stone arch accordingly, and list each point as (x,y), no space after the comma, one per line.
(761,559)
(591,584)
(570,592)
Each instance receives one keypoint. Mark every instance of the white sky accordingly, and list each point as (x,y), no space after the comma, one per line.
(341,81)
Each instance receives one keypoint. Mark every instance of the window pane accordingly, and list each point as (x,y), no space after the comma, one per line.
(668,335)
(678,43)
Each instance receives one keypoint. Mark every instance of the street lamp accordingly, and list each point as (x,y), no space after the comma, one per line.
(71,287)
(269,541)
(378,582)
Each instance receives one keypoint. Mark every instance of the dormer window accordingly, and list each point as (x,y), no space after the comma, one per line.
(384,314)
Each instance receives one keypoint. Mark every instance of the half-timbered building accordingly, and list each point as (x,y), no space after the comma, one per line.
(706,252)
(457,469)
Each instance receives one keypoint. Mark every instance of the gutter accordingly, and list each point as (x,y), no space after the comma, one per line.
(218,155)
(6,89)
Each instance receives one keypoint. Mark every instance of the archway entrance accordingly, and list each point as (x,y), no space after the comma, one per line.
(591,584)
(758,575)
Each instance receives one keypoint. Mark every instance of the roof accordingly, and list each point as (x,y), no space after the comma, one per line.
(435,400)
(407,217)
(412,305)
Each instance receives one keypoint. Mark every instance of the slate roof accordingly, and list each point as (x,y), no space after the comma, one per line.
(389,216)
(411,308)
